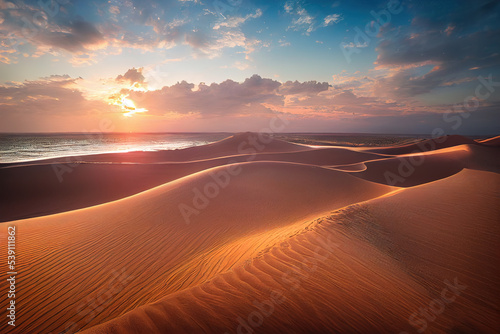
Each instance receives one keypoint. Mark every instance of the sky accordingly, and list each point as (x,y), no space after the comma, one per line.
(397,66)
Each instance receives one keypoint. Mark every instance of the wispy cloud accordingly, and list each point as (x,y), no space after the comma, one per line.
(236,21)
(332,19)
(303,21)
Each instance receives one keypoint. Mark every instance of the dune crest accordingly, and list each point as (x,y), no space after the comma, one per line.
(494,141)
(409,170)
(47,187)
(426,145)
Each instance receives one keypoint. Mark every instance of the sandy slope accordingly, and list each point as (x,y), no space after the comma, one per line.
(413,169)
(365,269)
(70,258)
(299,240)
(32,190)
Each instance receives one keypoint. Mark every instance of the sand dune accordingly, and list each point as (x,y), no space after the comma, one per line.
(425,145)
(283,239)
(57,185)
(367,268)
(42,188)
(494,141)
(418,168)
(147,237)
(238,144)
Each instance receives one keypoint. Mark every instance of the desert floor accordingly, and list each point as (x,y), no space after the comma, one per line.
(256,234)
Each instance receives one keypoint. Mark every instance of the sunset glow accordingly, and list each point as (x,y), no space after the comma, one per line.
(127,105)
(199,66)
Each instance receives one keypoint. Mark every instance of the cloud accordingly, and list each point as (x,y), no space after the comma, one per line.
(54,95)
(212,46)
(257,97)
(227,98)
(183,22)
(35,28)
(284,42)
(115,25)
(448,42)
(303,21)
(233,22)
(352,45)
(241,65)
(55,101)
(308,87)
(133,75)
(81,37)
(332,19)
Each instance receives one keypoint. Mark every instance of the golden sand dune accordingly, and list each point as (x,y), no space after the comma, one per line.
(418,168)
(367,268)
(70,258)
(284,239)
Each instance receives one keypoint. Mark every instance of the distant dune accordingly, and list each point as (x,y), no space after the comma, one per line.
(495,141)
(257,235)
(425,145)
(58,185)
(413,169)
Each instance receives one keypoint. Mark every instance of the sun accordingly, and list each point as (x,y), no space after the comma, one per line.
(127,105)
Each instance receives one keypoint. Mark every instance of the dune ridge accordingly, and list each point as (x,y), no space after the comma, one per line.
(426,145)
(49,187)
(38,189)
(494,141)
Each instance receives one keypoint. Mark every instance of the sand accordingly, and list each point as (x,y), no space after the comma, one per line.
(286,238)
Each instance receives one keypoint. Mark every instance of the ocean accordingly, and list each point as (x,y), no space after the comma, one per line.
(29,147)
